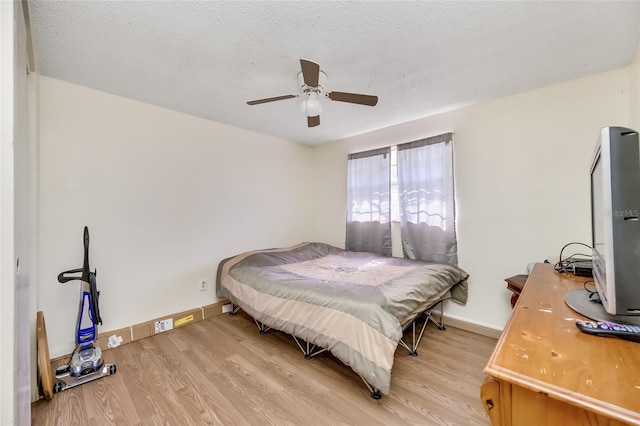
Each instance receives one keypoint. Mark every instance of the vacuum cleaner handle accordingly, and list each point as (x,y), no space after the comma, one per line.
(63,279)
(85,272)
(95,296)
(85,263)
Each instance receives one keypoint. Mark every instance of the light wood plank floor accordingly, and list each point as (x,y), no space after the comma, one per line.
(222,371)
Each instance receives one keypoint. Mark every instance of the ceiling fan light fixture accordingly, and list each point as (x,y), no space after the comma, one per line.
(312,80)
(311,104)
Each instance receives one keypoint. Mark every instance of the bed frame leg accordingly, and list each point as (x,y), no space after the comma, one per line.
(261,327)
(439,324)
(413,349)
(415,341)
(309,351)
(234,309)
(375,393)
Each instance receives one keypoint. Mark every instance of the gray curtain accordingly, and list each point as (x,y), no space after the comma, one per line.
(368,191)
(427,210)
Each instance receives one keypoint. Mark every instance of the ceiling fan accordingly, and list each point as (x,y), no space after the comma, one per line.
(312,81)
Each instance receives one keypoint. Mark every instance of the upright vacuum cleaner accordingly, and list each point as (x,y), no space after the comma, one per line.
(86,362)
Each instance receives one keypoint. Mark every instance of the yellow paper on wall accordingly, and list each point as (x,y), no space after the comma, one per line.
(184,320)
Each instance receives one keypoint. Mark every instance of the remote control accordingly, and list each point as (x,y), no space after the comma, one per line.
(610,329)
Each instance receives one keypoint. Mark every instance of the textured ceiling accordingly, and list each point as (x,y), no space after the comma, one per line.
(208,58)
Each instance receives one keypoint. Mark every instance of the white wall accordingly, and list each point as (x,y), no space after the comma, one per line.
(634,98)
(522,180)
(166,196)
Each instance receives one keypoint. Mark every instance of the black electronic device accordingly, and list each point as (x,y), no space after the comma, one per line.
(583,268)
(610,329)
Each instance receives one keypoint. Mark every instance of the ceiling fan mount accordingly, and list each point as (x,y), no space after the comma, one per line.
(305,88)
(312,86)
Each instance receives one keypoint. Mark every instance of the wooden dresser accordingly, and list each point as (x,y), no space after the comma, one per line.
(544,371)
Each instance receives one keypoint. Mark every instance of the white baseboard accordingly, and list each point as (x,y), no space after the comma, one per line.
(474,327)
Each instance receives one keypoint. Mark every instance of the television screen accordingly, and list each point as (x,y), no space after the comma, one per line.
(615,220)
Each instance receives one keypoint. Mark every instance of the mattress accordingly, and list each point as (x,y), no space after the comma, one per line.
(353,304)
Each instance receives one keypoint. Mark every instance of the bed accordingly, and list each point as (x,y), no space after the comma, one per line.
(355,305)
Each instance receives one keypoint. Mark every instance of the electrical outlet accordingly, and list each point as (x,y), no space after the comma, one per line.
(163,325)
(203,285)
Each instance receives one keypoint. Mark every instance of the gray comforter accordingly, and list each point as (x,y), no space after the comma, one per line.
(352,303)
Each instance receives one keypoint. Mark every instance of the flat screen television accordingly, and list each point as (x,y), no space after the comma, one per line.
(615,220)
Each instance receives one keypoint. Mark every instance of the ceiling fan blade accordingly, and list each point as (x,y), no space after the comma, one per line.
(353,98)
(276,98)
(313,121)
(310,72)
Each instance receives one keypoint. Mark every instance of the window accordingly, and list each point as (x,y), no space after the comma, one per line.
(395,203)
(368,221)
(411,183)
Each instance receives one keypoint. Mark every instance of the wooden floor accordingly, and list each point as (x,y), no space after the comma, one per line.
(222,371)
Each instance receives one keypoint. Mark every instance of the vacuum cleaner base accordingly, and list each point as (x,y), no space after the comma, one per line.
(66,381)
